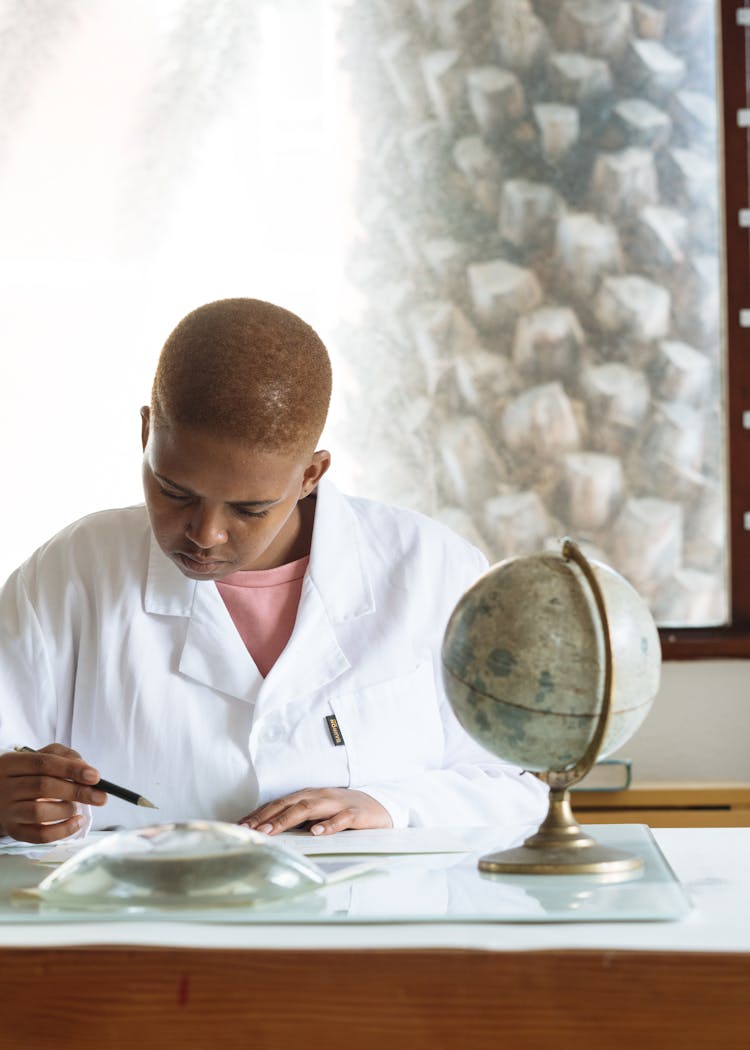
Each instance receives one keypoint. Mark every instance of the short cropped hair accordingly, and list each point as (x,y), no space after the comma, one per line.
(248,370)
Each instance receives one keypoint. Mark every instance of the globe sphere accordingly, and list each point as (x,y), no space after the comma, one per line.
(524,660)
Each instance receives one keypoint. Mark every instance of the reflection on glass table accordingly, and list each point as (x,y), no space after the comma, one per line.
(403,887)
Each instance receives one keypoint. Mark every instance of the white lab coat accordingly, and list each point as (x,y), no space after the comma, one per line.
(106,647)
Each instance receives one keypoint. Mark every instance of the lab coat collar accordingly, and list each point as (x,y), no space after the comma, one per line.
(168,591)
(337,589)
(337,565)
(213,652)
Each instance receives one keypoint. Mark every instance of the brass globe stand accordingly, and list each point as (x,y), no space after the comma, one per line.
(559,846)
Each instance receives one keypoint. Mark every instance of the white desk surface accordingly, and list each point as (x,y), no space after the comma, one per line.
(713,864)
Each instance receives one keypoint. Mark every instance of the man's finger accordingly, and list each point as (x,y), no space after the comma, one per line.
(45,763)
(59,749)
(29,788)
(43,811)
(346,819)
(305,809)
(271,811)
(288,818)
(41,833)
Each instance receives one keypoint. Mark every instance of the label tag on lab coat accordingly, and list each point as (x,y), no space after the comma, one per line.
(333,729)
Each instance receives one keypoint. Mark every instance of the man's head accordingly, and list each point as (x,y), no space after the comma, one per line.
(247,370)
(238,404)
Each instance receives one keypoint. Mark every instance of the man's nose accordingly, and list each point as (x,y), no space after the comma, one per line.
(206,528)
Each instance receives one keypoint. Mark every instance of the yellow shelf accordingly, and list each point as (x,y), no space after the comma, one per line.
(663,805)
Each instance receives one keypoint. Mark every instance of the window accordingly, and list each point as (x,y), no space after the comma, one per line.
(541,260)
(476,204)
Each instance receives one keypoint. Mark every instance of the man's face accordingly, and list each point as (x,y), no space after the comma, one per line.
(216,506)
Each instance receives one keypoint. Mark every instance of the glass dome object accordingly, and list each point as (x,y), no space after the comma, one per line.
(196,864)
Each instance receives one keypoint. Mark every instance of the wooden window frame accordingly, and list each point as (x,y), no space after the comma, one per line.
(733,640)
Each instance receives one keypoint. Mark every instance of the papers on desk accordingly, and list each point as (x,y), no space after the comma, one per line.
(392,841)
(381,841)
(52,852)
(375,841)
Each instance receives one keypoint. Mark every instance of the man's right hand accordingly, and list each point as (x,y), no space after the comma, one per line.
(39,791)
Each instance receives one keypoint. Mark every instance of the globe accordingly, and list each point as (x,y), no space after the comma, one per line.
(524,661)
(548,661)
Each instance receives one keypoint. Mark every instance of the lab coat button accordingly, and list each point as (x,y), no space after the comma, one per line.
(273,733)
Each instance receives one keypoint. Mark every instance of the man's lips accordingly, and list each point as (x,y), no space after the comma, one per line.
(194,564)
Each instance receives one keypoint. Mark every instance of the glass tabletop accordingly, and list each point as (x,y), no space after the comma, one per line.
(416,888)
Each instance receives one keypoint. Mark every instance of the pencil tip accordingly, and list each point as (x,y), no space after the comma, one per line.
(145,802)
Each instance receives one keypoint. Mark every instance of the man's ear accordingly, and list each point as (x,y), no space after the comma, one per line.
(314,471)
(145,425)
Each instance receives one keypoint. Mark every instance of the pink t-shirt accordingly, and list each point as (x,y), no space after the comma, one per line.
(263,605)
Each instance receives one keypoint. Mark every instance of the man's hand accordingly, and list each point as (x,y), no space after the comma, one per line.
(39,790)
(323,810)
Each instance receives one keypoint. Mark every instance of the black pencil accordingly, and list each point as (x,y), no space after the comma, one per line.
(112,789)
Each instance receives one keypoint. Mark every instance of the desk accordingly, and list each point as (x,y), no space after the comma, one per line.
(668,805)
(679,984)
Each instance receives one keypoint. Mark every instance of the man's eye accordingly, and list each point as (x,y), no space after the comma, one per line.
(251,513)
(178,497)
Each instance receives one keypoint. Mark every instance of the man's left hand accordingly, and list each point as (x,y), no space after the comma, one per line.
(323,810)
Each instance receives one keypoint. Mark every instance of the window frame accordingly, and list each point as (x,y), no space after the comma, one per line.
(733,640)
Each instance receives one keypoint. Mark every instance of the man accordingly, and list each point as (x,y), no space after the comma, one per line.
(251,645)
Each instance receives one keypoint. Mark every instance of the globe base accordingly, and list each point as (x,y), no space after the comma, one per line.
(560,847)
(587,860)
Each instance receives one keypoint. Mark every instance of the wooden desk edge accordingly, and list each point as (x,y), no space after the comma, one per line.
(120,996)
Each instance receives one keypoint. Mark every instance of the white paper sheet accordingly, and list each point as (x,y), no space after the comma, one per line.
(52,852)
(407,840)
(383,841)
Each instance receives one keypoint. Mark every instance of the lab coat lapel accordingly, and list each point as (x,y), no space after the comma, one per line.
(312,657)
(337,564)
(213,652)
(336,590)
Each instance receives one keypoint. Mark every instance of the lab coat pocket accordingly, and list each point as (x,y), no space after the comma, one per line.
(391,729)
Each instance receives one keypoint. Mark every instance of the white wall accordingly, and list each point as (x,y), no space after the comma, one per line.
(699,726)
